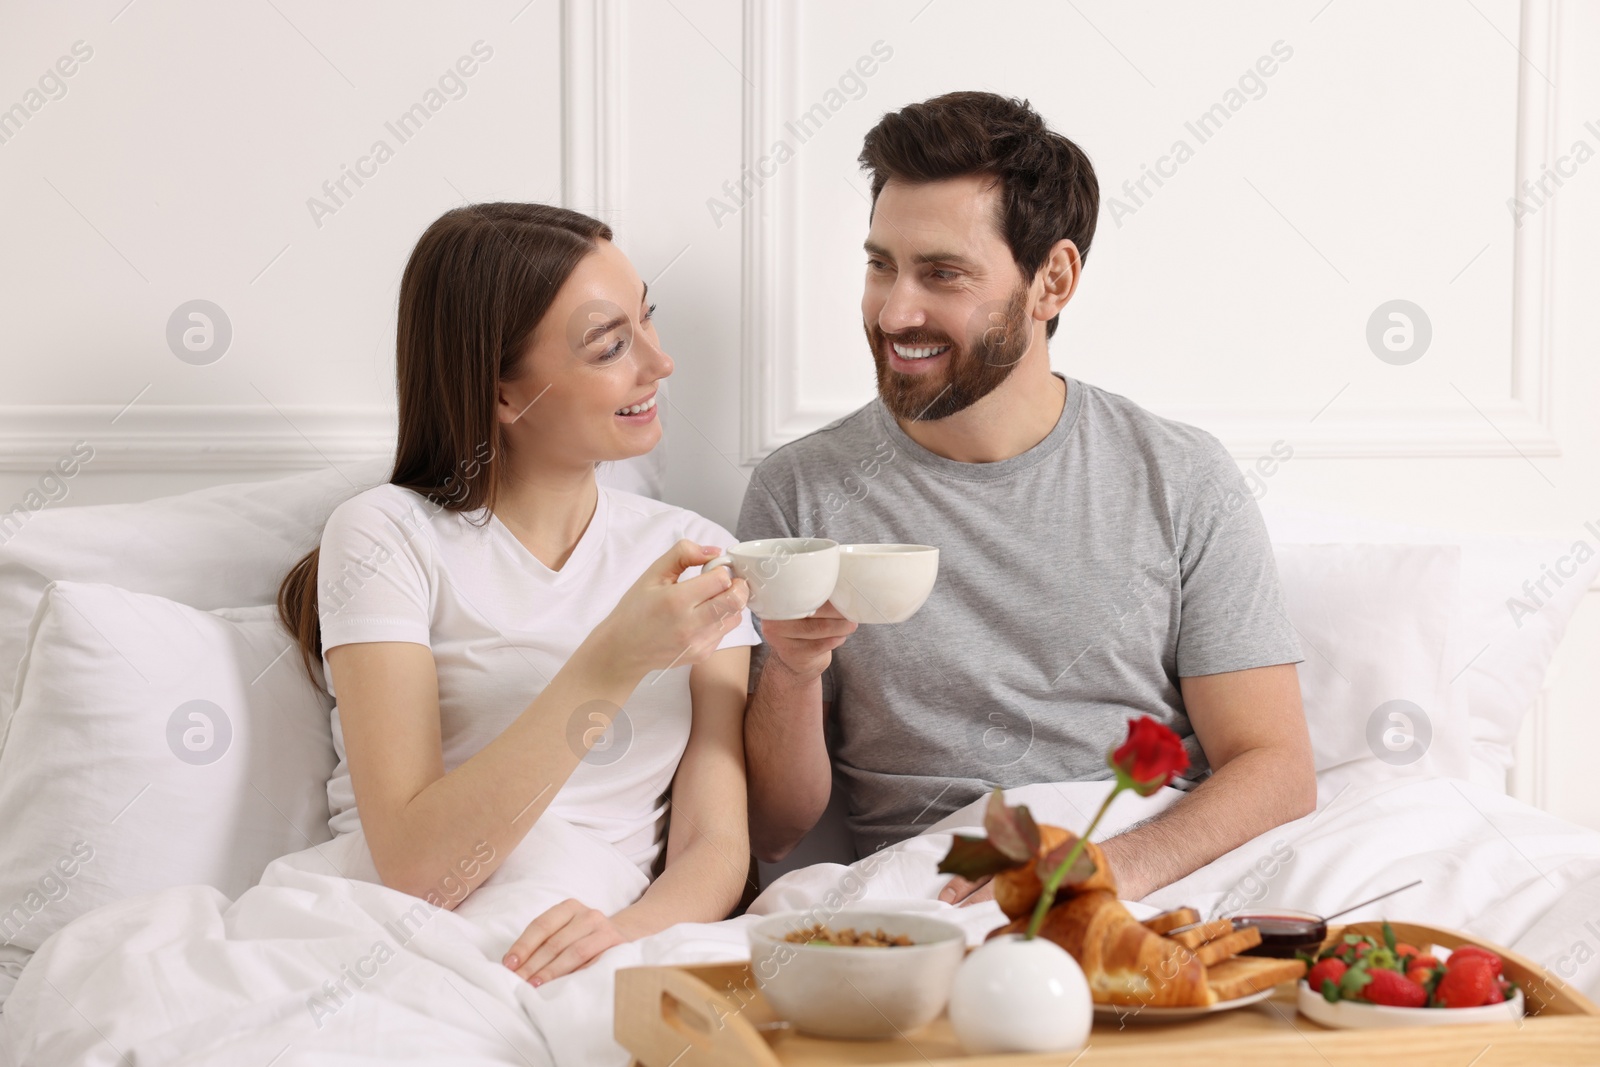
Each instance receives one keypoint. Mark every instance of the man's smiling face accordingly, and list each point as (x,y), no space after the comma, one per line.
(944,307)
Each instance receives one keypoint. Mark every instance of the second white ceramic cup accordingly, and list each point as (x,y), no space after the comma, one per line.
(884,583)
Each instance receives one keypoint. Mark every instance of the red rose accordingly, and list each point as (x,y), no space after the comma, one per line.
(1147,760)
(1150,756)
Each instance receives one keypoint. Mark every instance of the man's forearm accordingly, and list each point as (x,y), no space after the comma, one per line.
(786,756)
(1240,801)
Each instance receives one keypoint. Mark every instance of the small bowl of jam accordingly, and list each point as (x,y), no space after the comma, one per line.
(1284,933)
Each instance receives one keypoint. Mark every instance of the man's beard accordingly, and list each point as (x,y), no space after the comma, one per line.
(973,370)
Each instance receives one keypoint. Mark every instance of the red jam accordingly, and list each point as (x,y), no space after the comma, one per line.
(1284,933)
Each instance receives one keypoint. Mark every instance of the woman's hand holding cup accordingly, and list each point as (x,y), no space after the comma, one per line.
(662,623)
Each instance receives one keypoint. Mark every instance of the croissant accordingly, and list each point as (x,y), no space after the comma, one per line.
(1017,890)
(1124,961)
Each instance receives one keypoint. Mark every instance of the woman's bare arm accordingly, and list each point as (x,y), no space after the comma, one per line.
(708,846)
(430,831)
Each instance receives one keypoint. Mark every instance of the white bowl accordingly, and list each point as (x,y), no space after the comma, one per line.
(859,993)
(1355,1015)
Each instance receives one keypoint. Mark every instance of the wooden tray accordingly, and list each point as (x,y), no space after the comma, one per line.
(713,1016)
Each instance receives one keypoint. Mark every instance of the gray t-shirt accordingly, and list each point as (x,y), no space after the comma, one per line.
(1078,581)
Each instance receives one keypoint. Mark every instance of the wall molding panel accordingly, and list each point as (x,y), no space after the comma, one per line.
(594,96)
(1520,423)
(190,437)
(593,92)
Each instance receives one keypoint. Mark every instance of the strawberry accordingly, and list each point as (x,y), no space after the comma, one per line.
(1420,975)
(1468,951)
(1353,953)
(1403,950)
(1466,983)
(1425,961)
(1497,994)
(1328,970)
(1394,989)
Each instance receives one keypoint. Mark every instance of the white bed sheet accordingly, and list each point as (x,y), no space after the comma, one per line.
(186,977)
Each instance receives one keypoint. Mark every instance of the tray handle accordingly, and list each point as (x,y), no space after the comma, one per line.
(667,1016)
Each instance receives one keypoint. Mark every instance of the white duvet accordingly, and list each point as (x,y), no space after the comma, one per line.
(312,967)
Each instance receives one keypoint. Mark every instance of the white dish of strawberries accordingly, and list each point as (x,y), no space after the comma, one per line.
(1363,982)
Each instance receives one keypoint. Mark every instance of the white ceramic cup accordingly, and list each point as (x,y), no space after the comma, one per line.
(884,583)
(789,577)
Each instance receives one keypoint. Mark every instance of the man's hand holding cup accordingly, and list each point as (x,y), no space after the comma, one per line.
(805,646)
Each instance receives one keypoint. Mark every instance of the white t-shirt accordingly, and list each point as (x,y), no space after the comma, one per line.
(396,567)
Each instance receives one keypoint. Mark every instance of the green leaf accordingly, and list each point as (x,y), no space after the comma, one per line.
(1388,936)
(975,857)
(1354,981)
(1330,991)
(1012,830)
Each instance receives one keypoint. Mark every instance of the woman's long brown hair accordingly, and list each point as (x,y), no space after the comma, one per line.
(477,284)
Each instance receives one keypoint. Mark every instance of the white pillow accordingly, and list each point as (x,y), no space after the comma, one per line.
(1505,648)
(1378,629)
(212,548)
(218,547)
(153,745)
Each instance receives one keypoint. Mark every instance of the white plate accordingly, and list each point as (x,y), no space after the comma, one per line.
(1354,1015)
(1133,1013)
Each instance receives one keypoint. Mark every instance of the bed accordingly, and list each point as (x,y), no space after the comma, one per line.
(172,893)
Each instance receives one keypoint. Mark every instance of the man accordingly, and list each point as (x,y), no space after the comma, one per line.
(1097,562)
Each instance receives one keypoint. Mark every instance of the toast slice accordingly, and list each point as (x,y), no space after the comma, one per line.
(1243,975)
(1197,934)
(1171,920)
(1229,945)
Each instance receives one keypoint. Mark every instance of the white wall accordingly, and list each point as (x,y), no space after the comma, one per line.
(179,165)
(1374,163)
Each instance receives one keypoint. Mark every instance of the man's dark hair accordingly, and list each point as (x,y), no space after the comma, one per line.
(1048,190)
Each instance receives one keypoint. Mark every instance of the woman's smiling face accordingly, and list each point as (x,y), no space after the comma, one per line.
(587,390)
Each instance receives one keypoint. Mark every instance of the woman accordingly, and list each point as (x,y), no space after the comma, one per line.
(485,620)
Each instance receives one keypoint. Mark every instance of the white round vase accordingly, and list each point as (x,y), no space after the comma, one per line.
(1013,994)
